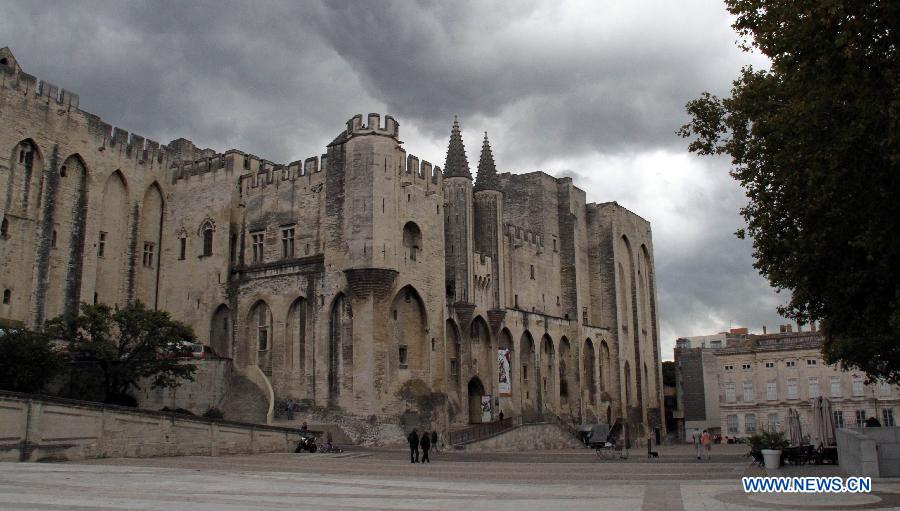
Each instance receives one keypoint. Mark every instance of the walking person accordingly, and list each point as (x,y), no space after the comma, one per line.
(290,409)
(426,445)
(413,440)
(434,441)
(501,416)
(696,436)
(706,440)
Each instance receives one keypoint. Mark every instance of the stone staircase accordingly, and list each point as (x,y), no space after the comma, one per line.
(245,401)
(338,435)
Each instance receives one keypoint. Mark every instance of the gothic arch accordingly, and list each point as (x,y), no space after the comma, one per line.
(220,331)
(454,349)
(339,349)
(409,325)
(566,370)
(112,240)
(68,219)
(589,364)
(480,347)
(606,369)
(260,334)
(296,334)
(412,241)
(149,245)
(547,360)
(529,374)
(22,189)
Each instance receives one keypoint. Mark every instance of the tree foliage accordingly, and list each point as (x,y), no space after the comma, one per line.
(814,142)
(27,361)
(127,346)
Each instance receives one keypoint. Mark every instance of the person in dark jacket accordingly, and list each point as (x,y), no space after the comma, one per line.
(426,445)
(413,439)
(434,442)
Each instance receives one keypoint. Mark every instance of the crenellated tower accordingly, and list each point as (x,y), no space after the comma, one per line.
(458,226)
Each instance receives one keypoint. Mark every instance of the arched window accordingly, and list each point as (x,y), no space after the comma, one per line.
(207,239)
(412,240)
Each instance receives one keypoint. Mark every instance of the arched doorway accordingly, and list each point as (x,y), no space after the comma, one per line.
(220,331)
(476,391)
(528,374)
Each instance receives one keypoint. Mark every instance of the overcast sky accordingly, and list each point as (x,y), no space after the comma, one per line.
(592,90)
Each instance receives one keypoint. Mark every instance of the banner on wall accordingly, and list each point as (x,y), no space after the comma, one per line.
(486,409)
(503,363)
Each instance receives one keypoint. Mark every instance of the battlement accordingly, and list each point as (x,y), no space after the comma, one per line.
(268,175)
(391,127)
(424,170)
(522,236)
(107,137)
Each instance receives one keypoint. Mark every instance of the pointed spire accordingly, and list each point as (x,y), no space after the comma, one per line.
(487,171)
(456,165)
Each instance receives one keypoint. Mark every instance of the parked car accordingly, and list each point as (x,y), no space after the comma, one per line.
(198,350)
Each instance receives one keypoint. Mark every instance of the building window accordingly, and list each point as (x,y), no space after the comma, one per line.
(62,171)
(835,386)
(770,365)
(745,367)
(857,386)
(207,240)
(732,424)
(7,296)
(813,387)
(101,245)
(516,301)
(412,240)
(257,240)
(748,392)
(838,418)
(860,418)
(884,388)
(182,248)
(792,388)
(524,373)
(810,361)
(790,363)
(4,228)
(287,243)
(262,327)
(454,367)
(750,423)
(148,255)
(532,272)
(53,239)
(773,422)
(888,415)
(771,391)
(554,244)
(729,393)
(729,367)
(403,356)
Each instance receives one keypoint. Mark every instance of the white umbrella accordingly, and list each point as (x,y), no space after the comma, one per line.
(793,427)
(815,415)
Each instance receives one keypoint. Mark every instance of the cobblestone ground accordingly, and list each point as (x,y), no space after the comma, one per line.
(375,479)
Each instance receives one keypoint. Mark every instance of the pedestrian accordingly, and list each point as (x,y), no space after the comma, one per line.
(290,409)
(696,436)
(413,440)
(706,440)
(501,416)
(434,441)
(304,427)
(426,445)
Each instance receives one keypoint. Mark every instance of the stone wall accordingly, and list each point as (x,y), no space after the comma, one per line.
(40,428)
(208,390)
(869,452)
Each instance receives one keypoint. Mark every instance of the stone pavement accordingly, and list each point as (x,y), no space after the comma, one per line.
(381,479)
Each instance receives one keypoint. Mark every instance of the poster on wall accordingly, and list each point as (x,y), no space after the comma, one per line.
(503,363)
(485,408)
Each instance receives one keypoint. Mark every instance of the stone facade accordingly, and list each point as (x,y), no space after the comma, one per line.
(338,278)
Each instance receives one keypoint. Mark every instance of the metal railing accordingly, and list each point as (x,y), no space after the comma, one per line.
(481,431)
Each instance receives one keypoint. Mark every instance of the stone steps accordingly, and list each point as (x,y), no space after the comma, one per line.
(245,401)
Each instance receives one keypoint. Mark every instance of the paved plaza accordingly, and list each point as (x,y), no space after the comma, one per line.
(373,479)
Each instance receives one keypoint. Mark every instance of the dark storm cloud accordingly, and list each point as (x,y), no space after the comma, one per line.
(592,90)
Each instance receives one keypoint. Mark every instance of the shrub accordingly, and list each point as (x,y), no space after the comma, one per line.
(27,361)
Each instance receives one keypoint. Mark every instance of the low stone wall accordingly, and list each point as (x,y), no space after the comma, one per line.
(208,390)
(41,428)
(869,452)
(529,437)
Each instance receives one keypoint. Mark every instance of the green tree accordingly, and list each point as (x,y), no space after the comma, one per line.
(127,346)
(27,361)
(813,140)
